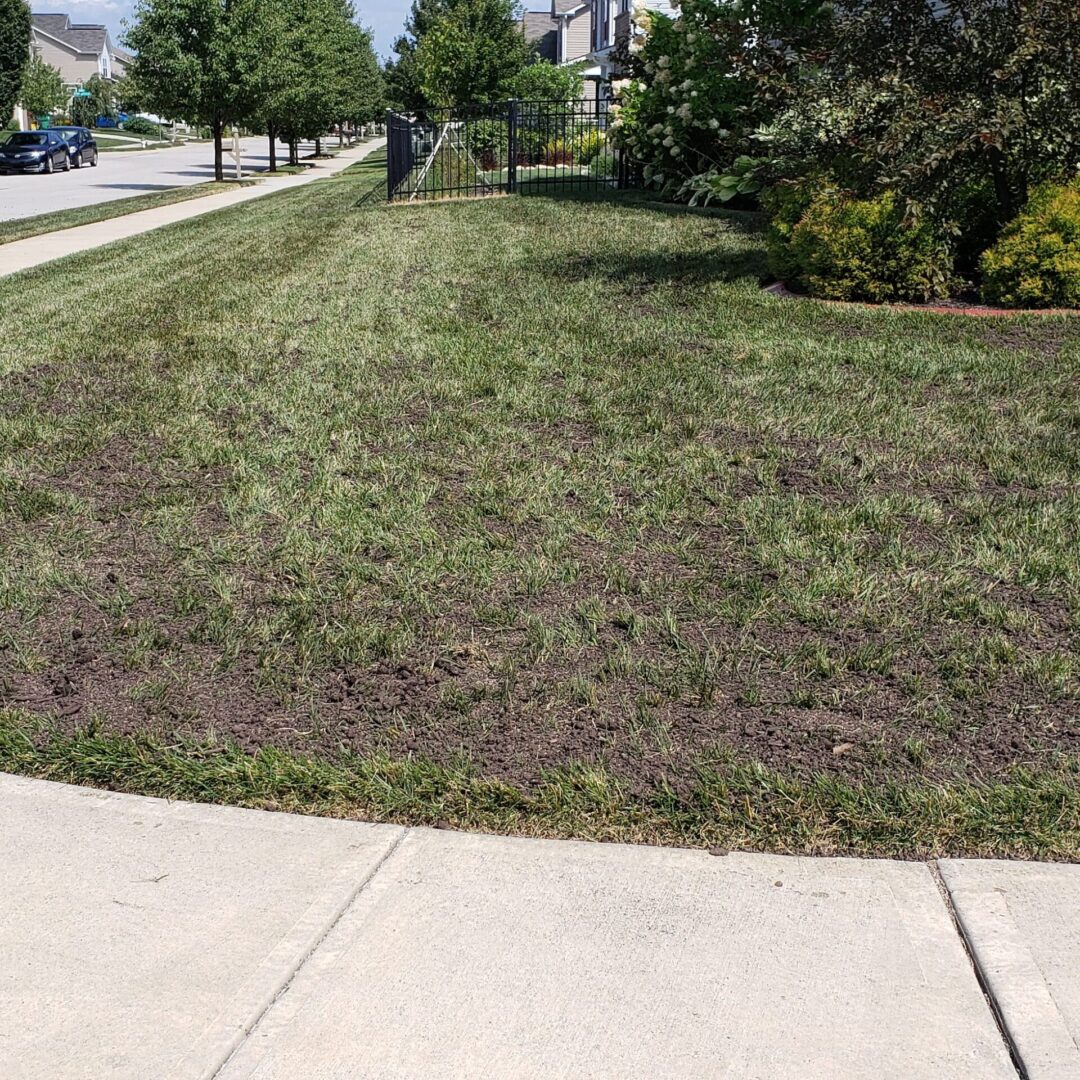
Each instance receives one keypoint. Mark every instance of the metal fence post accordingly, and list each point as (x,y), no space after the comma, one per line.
(511,146)
(389,158)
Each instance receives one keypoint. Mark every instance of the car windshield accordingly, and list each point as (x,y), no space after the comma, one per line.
(66,133)
(28,138)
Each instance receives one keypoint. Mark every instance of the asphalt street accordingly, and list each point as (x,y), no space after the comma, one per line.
(120,175)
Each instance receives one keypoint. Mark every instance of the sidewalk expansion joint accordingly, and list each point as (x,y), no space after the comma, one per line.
(253,1021)
(984,986)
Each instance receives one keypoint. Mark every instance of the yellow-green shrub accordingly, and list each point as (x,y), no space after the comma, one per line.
(1036,260)
(867,249)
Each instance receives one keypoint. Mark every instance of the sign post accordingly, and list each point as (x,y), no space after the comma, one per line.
(236,152)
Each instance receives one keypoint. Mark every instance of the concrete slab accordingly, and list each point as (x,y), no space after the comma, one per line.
(1022,922)
(142,939)
(478,956)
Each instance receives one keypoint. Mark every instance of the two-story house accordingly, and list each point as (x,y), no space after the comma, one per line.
(612,25)
(78,51)
(562,33)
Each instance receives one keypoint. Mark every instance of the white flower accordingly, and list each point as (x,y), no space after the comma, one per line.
(691,38)
(656,129)
(619,85)
(671,108)
(643,86)
(669,141)
(636,45)
(669,130)
(683,112)
(686,84)
(714,123)
(693,93)
(663,62)
(675,151)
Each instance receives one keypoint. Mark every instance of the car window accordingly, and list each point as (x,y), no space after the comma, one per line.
(28,138)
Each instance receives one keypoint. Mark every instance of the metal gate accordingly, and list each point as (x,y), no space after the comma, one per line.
(511,146)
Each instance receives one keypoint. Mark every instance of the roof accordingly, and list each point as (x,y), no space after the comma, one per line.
(564,7)
(540,28)
(82,37)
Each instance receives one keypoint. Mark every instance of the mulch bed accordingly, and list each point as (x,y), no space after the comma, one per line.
(942,307)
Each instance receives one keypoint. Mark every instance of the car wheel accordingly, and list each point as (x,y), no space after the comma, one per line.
(93,160)
(50,165)
(67,163)
(78,160)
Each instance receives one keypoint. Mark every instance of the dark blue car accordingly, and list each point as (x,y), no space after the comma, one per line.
(34,151)
(82,146)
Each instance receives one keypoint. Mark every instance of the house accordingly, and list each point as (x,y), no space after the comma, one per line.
(612,27)
(77,50)
(561,33)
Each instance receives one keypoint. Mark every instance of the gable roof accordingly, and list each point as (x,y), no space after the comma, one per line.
(541,29)
(81,37)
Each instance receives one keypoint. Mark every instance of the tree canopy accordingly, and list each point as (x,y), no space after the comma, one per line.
(14,51)
(293,67)
(43,90)
(471,51)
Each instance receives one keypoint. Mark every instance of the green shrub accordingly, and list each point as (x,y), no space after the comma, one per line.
(867,249)
(1036,261)
(604,166)
(786,203)
(588,143)
(139,125)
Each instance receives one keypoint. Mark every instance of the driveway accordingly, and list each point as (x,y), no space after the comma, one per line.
(122,174)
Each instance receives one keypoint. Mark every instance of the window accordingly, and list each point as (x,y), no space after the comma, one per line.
(103,65)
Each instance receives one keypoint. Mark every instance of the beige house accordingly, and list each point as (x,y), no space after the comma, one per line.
(562,32)
(78,51)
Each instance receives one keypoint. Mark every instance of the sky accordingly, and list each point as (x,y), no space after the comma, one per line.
(384,17)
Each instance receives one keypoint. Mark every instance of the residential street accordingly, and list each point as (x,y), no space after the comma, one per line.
(120,175)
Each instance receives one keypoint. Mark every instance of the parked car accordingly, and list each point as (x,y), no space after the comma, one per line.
(34,151)
(82,146)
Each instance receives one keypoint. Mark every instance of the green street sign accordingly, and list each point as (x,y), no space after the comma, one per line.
(82,93)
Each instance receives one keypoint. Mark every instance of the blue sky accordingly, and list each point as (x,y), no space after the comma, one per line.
(385,17)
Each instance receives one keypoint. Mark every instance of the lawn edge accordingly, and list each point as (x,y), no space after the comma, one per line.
(731,806)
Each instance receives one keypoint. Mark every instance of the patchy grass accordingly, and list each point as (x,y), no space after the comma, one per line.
(453,512)
(24,228)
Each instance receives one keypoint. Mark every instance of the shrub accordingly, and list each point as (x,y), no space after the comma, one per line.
(604,166)
(558,152)
(139,125)
(866,249)
(489,142)
(1036,261)
(786,204)
(588,143)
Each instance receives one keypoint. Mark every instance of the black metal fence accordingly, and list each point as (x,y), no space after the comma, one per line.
(511,146)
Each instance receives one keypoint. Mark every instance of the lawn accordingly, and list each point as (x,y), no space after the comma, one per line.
(24,228)
(536,514)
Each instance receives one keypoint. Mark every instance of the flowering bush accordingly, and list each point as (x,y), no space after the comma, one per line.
(681,112)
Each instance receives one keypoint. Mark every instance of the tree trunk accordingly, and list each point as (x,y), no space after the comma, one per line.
(219,169)
(1002,192)
(318,147)
(341,135)
(271,135)
(293,157)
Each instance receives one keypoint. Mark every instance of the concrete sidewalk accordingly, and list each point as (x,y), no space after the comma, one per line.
(140,938)
(36,250)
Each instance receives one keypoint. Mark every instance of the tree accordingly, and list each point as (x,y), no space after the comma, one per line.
(14,52)
(403,90)
(361,89)
(471,52)
(43,89)
(301,73)
(101,102)
(197,60)
(972,97)
(544,81)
